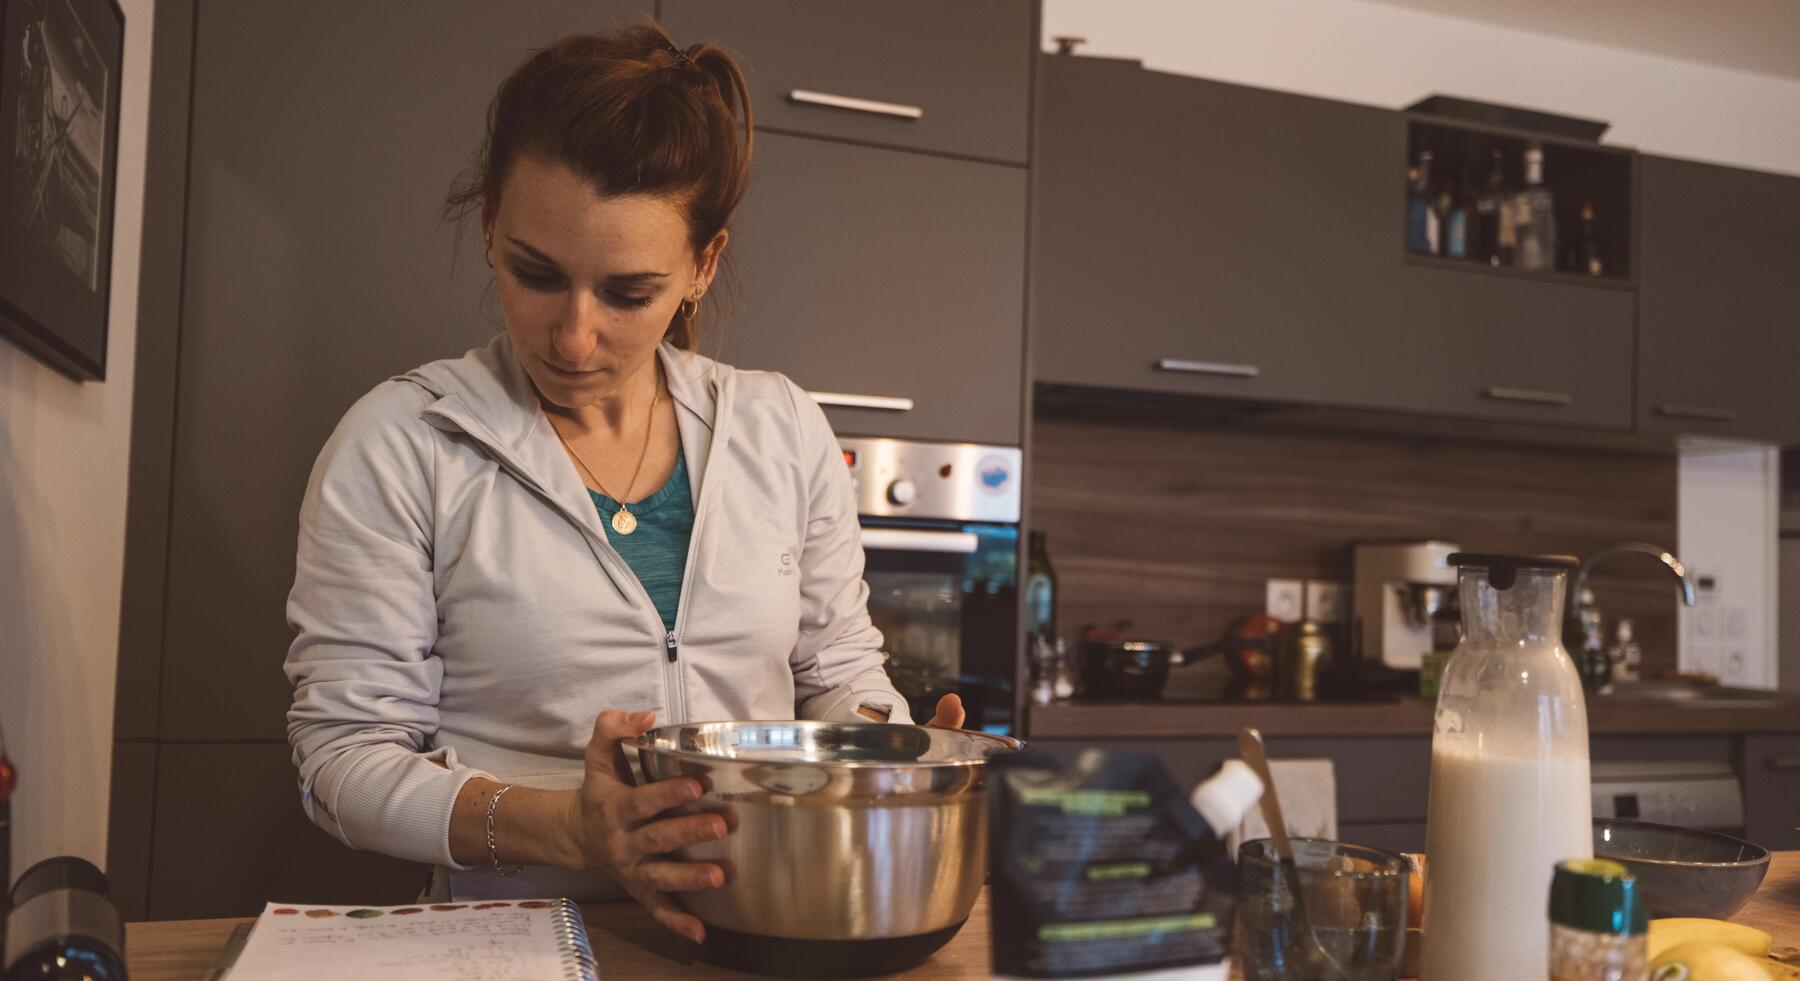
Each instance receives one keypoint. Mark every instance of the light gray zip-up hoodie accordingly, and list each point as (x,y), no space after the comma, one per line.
(459,612)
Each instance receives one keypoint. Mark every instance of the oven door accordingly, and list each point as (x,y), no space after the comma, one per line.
(945,597)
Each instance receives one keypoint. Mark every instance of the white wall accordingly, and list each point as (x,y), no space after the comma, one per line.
(63,462)
(1373,53)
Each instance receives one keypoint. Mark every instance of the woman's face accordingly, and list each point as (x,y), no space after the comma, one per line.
(588,284)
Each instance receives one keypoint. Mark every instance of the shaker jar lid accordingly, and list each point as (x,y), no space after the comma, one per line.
(1598,896)
(1490,559)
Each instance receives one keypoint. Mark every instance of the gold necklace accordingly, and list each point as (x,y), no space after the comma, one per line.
(623,521)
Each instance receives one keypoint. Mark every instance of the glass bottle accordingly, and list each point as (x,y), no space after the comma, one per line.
(1457,230)
(1421,216)
(1534,215)
(1040,589)
(1509,773)
(1489,204)
(1627,656)
(1587,245)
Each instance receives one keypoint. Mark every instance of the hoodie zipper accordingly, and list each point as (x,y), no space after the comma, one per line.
(671,645)
(674,691)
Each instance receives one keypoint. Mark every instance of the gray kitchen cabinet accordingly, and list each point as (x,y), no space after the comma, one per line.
(1719,301)
(1495,346)
(867,272)
(1193,237)
(316,267)
(1771,774)
(938,75)
(230,835)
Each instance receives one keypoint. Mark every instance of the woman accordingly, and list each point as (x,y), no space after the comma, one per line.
(511,561)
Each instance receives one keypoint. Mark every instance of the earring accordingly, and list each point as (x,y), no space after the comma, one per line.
(690,307)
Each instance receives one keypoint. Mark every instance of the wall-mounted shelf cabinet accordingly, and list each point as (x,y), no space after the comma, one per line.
(1475,207)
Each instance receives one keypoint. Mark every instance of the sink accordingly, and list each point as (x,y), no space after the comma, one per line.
(1689,693)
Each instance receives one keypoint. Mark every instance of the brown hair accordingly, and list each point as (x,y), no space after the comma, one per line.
(631,113)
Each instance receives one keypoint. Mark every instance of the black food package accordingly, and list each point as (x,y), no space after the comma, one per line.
(1100,866)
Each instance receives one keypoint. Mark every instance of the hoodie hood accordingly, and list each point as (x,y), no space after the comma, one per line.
(488,386)
(486,394)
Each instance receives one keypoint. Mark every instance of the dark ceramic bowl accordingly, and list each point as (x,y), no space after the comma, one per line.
(1683,872)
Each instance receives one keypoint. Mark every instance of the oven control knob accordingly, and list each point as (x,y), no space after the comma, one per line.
(902,492)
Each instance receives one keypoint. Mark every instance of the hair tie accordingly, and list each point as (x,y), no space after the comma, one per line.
(681,57)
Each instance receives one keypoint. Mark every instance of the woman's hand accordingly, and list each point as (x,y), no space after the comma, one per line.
(617,827)
(949,714)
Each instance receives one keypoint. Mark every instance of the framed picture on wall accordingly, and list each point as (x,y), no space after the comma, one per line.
(59,132)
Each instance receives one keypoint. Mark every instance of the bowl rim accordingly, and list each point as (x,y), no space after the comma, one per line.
(1762,858)
(1404,867)
(645,743)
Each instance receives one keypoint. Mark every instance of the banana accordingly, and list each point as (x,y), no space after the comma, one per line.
(1781,972)
(1668,932)
(1700,961)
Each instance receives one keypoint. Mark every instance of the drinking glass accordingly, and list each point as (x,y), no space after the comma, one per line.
(1338,913)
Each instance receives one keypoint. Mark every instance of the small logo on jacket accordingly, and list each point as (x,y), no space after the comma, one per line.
(787,564)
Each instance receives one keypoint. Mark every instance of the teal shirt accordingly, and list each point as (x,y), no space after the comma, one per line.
(657,550)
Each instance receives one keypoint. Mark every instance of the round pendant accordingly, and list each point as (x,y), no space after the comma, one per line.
(623,522)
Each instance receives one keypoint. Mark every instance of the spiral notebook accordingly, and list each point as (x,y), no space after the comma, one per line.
(520,940)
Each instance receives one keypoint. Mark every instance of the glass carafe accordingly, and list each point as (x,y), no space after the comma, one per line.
(1510,794)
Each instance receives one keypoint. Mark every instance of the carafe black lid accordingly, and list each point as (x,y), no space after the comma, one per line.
(1503,569)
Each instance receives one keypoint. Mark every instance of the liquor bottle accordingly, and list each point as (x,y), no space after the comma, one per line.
(1040,591)
(1489,204)
(1587,246)
(1442,204)
(1421,218)
(1457,222)
(1534,215)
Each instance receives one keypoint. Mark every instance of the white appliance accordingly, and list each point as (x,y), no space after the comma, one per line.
(1396,588)
(1702,794)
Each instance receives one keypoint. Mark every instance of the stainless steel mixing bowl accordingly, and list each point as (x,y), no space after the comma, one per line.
(839,832)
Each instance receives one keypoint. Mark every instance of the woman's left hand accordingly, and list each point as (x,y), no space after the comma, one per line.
(949,713)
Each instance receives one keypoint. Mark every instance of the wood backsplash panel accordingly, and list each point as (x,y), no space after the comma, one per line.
(1177,529)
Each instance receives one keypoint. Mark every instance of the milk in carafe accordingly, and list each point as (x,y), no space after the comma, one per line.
(1510,792)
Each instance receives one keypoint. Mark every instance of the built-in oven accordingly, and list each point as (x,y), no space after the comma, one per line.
(940,529)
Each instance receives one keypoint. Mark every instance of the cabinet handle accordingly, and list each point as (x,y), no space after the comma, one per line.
(842,400)
(895,109)
(1209,368)
(1535,396)
(1706,413)
(1782,762)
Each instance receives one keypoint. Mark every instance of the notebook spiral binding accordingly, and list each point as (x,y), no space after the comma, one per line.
(571,934)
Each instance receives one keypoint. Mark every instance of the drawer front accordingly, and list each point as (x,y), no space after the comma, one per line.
(1771,772)
(1497,347)
(939,75)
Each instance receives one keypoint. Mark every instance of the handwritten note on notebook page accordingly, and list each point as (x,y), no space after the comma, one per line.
(491,941)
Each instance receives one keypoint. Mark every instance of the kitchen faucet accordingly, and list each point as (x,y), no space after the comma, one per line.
(1662,555)
(1596,673)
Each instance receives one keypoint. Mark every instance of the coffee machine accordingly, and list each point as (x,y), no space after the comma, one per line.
(1396,589)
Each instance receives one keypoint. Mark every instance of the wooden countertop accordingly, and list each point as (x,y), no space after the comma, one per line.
(629,945)
(1407,716)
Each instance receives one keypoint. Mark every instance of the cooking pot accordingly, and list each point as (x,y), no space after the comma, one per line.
(1112,667)
(855,849)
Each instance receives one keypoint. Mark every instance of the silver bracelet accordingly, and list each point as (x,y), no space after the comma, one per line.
(494,852)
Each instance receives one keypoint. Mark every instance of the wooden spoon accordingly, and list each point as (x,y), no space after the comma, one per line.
(1250,747)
